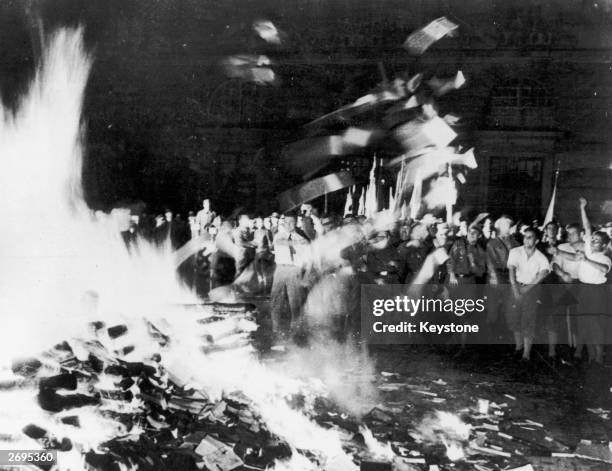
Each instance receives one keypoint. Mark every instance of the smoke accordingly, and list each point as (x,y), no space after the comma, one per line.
(345,372)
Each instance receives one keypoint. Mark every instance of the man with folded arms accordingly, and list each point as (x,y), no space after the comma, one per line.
(527,268)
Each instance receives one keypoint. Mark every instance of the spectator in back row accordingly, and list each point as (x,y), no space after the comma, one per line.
(205,217)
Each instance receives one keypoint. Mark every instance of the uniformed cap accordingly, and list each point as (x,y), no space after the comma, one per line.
(477,227)
(502,220)
(429,219)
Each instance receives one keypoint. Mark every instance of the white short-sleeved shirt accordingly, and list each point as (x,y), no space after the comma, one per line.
(527,268)
(290,248)
(588,273)
(569,266)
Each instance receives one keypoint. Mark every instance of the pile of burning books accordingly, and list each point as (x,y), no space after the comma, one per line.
(167,424)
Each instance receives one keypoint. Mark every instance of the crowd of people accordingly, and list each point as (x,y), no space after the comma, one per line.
(547,284)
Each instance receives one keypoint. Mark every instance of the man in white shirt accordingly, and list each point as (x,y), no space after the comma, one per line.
(527,268)
(290,254)
(205,216)
(194,227)
(565,254)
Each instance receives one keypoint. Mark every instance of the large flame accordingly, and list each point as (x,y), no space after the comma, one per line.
(57,255)
(53,249)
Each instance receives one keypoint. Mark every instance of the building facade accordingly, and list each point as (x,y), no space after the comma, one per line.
(160,110)
(537,100)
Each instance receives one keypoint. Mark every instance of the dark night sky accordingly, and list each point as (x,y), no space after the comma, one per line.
(149,57)
(156,62)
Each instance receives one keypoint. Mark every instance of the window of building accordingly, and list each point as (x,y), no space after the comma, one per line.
(521,94)
(505,170)
(515,185)
(521,104)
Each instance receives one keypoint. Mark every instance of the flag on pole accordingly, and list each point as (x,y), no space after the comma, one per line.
(348,205)
(551,207)
(403,211)
(450,199)
(400,186)
(550,212)
(415,200)
(362,202)
(371,201)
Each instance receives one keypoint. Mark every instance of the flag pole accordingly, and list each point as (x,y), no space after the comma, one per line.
(550,212)
(449,204)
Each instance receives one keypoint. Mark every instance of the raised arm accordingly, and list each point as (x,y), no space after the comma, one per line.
(601,267)
(586,224)
(563,254)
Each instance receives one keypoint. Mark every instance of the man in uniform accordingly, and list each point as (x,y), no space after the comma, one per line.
(382,261)
(467,259)
(466,265)
(412,254)
(498,296)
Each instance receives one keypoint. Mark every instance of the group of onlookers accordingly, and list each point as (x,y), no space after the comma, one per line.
(552,280)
